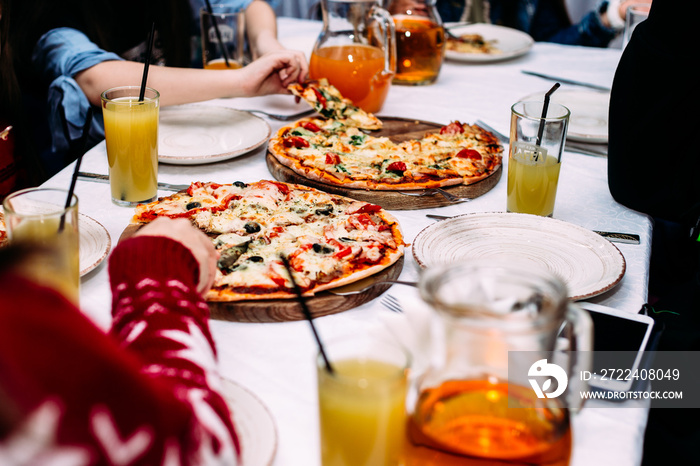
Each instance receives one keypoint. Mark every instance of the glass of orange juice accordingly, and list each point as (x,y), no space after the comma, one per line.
(362,404)
(39,219)
(534,162)
(131,134)
(223,37)
(356,51)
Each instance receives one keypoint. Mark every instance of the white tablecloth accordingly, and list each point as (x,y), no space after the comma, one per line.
(276,361)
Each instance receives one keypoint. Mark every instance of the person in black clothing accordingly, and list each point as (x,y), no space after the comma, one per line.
(654,167)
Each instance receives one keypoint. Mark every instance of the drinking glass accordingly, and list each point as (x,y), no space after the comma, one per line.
(536,145)
(420,41)
(39,219)
(472,403)
(362,404)
(223,30)
(356,51)
(635,14)
(131,134)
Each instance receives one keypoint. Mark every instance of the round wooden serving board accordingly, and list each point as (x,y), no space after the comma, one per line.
(287,310)
(398,130)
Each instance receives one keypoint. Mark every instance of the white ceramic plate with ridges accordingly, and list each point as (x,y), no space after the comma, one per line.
(199,134)
(95,243)
(254,424)
(588,263)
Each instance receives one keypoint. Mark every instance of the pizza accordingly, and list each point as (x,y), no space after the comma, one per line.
(326,150)
(328,240)
(329,102)
(472,43)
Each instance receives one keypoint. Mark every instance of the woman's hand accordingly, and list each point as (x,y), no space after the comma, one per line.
(274,71)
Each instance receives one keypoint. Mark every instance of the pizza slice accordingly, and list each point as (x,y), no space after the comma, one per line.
(327,100)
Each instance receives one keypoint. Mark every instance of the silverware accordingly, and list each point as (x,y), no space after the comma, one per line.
(567,81)
(451,198)
(105,179)
(612,236)
(600,150)
(392,303)
(361,286)
(279,117)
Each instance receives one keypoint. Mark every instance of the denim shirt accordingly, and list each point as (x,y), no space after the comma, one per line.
(538,18)
(60,54)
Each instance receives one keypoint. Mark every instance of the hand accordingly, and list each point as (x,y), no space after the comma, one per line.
(628,3)
(201,247)
(274,71)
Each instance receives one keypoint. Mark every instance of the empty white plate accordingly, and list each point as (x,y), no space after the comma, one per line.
(199,134)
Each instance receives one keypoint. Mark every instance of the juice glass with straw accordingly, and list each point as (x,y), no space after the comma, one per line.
(42,220)
(537,137)
(131,134)
(362,404)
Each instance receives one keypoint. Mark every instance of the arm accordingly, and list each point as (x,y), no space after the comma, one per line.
(149,393)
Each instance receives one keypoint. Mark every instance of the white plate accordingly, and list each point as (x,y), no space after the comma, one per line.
(199,134)
(95,243)
(589,113)
(254,424)
(585,261)
(511,42)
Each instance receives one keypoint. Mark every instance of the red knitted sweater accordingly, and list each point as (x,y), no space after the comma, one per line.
(144,394)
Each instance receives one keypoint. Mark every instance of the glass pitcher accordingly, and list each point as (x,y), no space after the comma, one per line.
(501,326)
(420,41)
(356,51)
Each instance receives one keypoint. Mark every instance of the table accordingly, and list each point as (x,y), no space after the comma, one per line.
(275,361)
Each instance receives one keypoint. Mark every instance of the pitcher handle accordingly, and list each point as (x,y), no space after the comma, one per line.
(579,333)
(388,31)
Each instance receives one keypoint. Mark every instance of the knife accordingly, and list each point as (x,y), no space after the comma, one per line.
(567,81)
(105,178)
(600,150)
(614,237)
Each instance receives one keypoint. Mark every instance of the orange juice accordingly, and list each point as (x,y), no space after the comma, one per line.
(362,413)
(56,261)
(420,46)
(476,422)
(532,186)
(356,70)
(131,134)
(220,64)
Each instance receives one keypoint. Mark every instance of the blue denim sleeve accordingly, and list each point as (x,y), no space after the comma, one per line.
(590,32)
(59,55)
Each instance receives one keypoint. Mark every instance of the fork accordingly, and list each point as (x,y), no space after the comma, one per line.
(279,117)
(391,303)
(451,198)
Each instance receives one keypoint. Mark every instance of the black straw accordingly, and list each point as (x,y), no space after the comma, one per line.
(149,52)
(544,112)
(81,147)
(307,314)
(218,33)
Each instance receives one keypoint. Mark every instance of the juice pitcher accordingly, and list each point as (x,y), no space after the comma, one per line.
(356,51)
(501,388)
(420,41)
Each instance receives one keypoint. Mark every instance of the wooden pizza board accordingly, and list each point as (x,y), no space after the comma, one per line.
(288,310)
(398,130)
